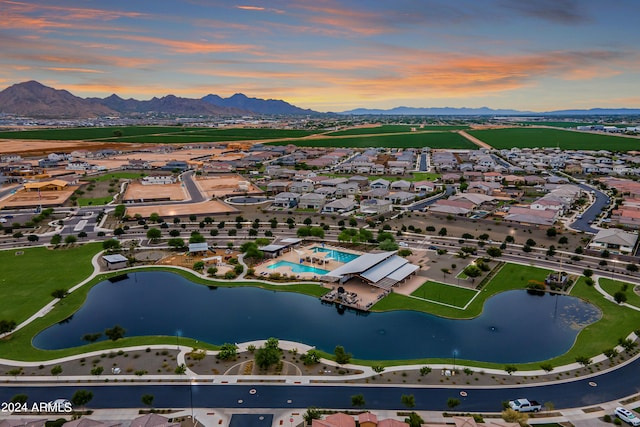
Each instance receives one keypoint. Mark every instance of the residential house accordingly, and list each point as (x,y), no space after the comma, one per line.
(347,189)
(158,179)
(400,185)
(346,204)
(286,199)
(614,240)
(275,187)
(400,197)
(311,201)
(375,206)
(425,186)
(380,183)
(376,193)
(451,207)
(525,215)
(301,187)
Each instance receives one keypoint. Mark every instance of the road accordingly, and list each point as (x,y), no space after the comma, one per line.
(612,385)
(589,216)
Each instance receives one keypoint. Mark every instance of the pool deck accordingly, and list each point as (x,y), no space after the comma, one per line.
(361,295)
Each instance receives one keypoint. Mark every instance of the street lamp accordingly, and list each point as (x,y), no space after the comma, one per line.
(178,333)
(455,353)
(193,421)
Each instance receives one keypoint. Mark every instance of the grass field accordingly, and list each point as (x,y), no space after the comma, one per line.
(566,140)
(27,280)
(116,175)
(411,140)
(88,133)
(445,294)
(393,129)
(154,134)
(95,201)
(613,286)
(557,124)
(510,276)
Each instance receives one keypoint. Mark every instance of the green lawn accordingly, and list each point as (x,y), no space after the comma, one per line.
(27,280)
(531,137)
(510,276)
(613,286)
(95,201)
(393,129)
(87,133)
(445,294)
(410,140)
(116,175)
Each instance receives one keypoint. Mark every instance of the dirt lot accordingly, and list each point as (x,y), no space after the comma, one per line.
(210,207)
(137,191)
(225,185)
(31,198)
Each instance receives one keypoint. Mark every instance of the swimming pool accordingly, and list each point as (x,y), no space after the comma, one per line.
(339,256)
(298,268)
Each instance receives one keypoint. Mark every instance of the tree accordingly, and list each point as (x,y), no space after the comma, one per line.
(147,399)
(154,217)
(7,326)
(587,272)
(388,245)
(511,416)
(408,400)
(425,370)
(199,265)
(414,420)
(509,239)
(154,234)
(56,239)
(311,414)
(56,370)
(97,370)
(307,221)
(353,222)
(212,271)
(115,333)
(452,402)
(81,398)
(552,232)
(180,369)
(196,237)
(357,400)
(472,271)
(494,252)
(442,232)
(632,267)
(119,211)
(510,369)
(111,245)
(118,231)
(583,360)
(563,240)
(19,398)
(620,297)
(176,243)
(551,251)
(228,352)
(70,239)
(526,248)
(268,355)
(59,293)
(342,356)
(530,242)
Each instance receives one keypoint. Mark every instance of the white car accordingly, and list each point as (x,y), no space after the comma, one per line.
(627,416)
(3,220)
(403,244)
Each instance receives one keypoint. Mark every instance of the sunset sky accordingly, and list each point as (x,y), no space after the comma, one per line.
(332,55)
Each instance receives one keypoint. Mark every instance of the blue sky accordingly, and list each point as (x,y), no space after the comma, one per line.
(332,55)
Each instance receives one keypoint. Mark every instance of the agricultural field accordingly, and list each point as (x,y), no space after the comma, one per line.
(88,134)
(557,124)
(544,137)
(393,129)
(411,140)
(154,134)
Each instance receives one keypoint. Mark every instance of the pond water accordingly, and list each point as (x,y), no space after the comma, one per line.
(514,327)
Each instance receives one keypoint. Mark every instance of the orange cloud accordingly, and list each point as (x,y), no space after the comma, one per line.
(73,70)
(185,46)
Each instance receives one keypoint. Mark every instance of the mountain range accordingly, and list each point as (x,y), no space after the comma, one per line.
(34,99)
(486,111)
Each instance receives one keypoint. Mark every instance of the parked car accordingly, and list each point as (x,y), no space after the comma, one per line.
(525,405)
(627,416)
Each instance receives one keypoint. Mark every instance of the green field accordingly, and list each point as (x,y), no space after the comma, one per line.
(155,134)
(410,140)
(612,286)
(542,137)
(445,294)
(393,129)
(27,280)
(116,175)
(557,124)
(94,201)
(88,133)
